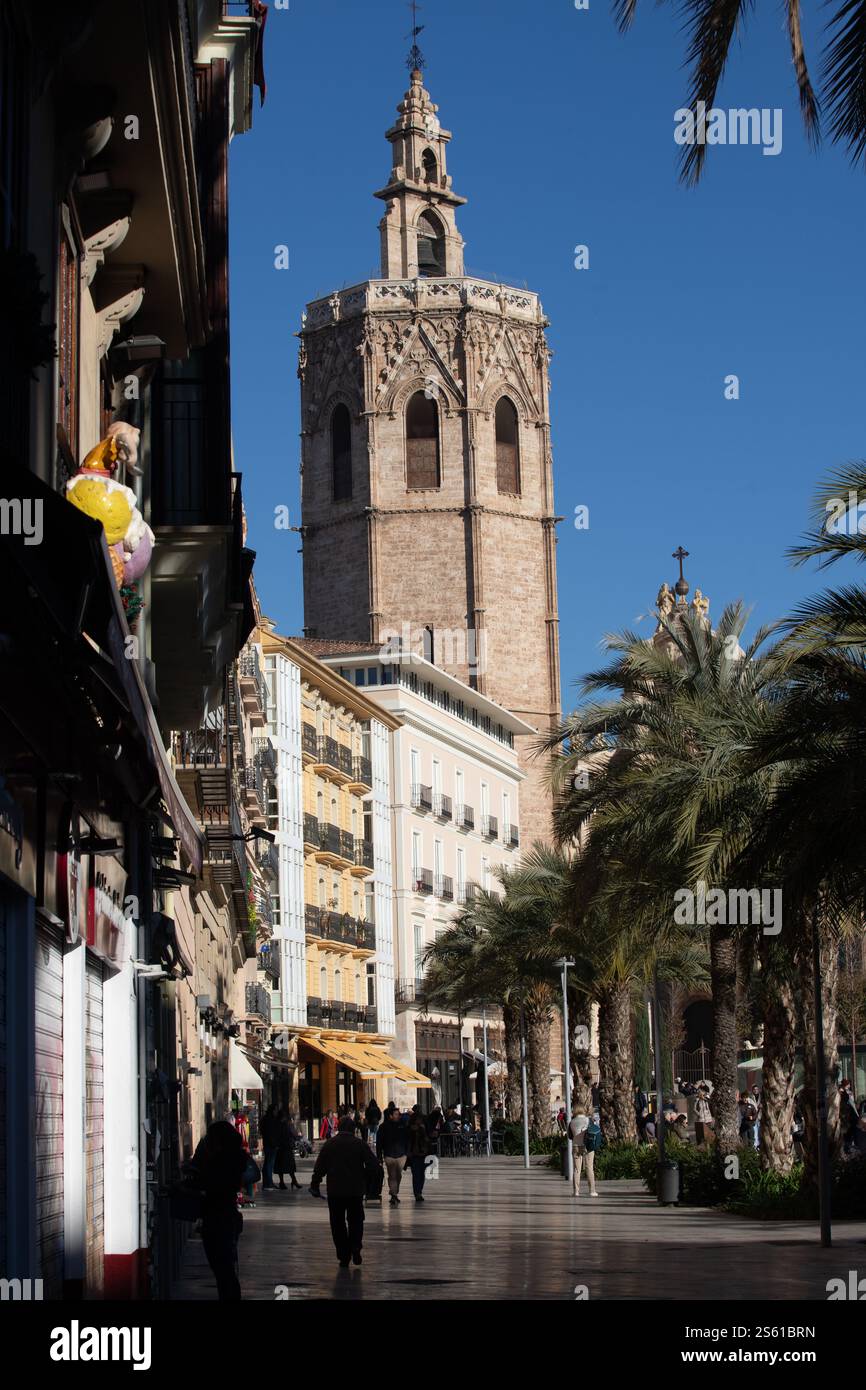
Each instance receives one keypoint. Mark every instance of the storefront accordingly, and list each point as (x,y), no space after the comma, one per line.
(334,1072)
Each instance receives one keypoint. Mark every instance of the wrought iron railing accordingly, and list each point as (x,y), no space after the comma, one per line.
(422,797)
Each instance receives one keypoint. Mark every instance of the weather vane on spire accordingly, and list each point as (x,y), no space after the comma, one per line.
(415,59)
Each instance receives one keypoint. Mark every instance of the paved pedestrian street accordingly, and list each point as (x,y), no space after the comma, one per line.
(489,1229)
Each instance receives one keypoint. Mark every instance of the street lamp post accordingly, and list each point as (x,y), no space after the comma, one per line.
(564,962)
(486,1081)
(524,1091)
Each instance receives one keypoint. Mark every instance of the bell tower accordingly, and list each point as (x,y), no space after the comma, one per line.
(427,484)
(419,231)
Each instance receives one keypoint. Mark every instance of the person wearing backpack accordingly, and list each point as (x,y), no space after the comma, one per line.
(417,1149)
(578,1131)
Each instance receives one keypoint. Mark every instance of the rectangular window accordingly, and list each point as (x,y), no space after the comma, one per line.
(419,950)
(461,875)
(485,875)
(485,799)
(416,855)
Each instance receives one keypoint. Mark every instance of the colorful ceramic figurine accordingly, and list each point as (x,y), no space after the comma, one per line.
(94,491)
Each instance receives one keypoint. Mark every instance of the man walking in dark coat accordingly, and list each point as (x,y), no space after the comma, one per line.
(392,1147)
(347,1164)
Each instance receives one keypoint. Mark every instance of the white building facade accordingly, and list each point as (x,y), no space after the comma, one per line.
(455,816)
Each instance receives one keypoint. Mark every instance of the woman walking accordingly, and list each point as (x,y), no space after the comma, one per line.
(417,1148)
(285,1160)
(580,1152)
(219,1165)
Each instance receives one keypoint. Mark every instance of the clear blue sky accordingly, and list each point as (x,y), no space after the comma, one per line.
(563,134)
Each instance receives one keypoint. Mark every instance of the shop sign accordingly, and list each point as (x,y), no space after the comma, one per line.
(106,921)
(72,878)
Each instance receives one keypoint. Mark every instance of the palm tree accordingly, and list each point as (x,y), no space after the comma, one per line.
(712,26)
(490,956)
(670,802)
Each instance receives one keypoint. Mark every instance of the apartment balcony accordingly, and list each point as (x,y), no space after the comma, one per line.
(314,1011)
(362,775)
(364,859)
(371,1019)
(467,892)
(423,881)
(202,759)
(254,691)
(225,859)
(253,794)
(489,827)
(265,755)
(311,833)
(442,806)
(333,760)
(336,846)
(365,936)
(464,817)
(339,929)
(309,742)
(258,1003)
(422,797)
(407,992)
(444,888)
(512,836)
(264,913)
(268,859)
(269,963)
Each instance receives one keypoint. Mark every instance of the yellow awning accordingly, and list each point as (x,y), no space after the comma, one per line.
(368,1061)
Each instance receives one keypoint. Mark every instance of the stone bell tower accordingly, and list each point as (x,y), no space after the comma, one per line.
(427,489)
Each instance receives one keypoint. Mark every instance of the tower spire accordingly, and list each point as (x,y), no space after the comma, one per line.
(419,232)
(415,60)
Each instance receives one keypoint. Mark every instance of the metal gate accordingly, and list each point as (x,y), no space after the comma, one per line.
(94,1171)
(48,1146)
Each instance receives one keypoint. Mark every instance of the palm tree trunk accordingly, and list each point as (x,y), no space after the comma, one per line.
(780,1018)
(616,1064)
(538,1024)
(723,979)
(605,1062)
(581,1059)
(828,966)
(513,1095)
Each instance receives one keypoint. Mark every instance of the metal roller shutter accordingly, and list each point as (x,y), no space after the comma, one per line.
(94,1131)
(4,904)
(49,1106)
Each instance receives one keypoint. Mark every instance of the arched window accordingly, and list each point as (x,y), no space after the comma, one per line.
(320,805)
(341,453)
(323,981)
(431,245)
(322,902)
(358,996)
(338,987)
(422,442)
(431,171)
(507,447)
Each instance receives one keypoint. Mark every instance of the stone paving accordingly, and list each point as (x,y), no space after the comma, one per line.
(489,1229)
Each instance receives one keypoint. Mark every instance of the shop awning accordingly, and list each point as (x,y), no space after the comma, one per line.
(242,1074)
(365,1059)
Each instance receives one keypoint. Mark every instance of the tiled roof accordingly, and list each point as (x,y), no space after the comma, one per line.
(325,646)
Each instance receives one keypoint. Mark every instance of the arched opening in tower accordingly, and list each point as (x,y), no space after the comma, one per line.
(431,245)
(431,168)
(341,453)
(507,447)
(422,442)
